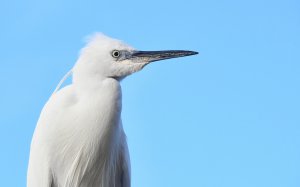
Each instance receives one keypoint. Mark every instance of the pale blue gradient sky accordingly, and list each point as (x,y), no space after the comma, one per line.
(229,117)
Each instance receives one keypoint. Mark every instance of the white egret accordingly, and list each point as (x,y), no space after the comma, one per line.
(79,139)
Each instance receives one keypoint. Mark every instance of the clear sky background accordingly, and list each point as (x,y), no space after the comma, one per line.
(228,117)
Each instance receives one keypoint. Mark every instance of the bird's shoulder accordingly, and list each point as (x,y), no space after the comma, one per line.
(61,100)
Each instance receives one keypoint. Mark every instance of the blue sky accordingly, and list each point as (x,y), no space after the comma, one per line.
(228,117)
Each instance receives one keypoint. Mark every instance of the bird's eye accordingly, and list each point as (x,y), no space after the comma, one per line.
(115,53)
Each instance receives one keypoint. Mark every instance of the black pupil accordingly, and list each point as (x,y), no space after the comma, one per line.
(116,53)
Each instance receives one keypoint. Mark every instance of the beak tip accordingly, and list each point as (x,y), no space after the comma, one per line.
(195,53)
(188,53)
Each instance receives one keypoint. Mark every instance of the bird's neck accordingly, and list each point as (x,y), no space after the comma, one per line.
(86,82)
(98,86)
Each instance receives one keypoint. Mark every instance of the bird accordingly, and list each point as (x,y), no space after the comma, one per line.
(79,140)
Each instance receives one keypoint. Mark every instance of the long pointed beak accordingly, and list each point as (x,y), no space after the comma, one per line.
(151,56)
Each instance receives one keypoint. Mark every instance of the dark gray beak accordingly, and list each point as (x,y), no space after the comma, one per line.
(151,56)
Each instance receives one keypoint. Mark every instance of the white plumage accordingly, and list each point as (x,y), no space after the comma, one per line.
(79,139)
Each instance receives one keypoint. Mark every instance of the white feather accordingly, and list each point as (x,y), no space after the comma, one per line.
(79,139)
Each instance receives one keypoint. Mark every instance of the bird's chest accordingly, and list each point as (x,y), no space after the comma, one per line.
(90,139)
(98,115)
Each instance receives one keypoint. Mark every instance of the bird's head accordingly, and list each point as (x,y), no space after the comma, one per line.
(104,57)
